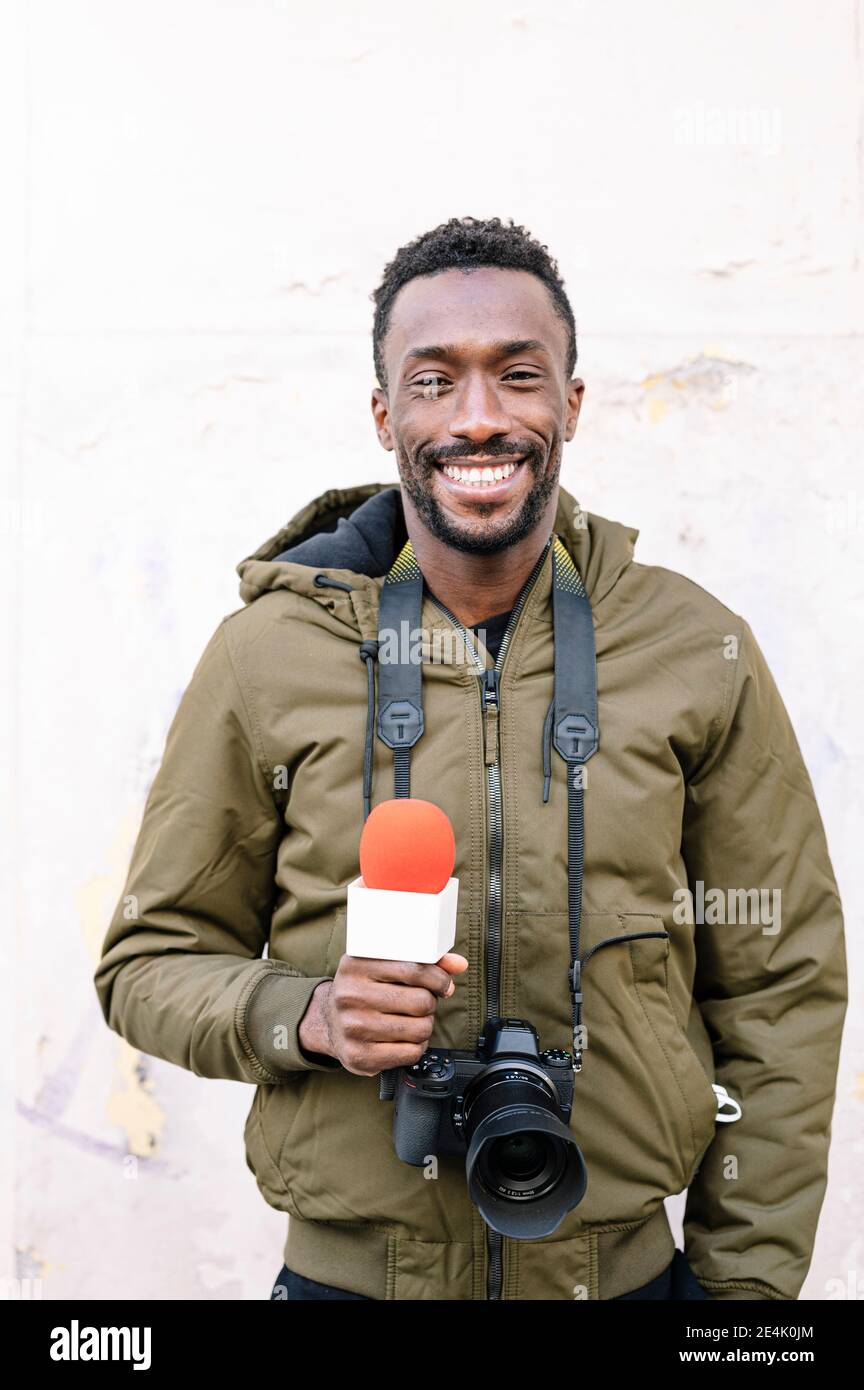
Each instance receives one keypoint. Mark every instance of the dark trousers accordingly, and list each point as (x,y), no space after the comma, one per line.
(677,1280)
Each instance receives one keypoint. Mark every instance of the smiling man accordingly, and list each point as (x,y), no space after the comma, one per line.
(608,742)
(478,421)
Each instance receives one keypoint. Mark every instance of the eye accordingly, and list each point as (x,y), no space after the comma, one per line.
(523,373)
(431,384)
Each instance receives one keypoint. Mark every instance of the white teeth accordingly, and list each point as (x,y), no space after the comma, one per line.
(480,477)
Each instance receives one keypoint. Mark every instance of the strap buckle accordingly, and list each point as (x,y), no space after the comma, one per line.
(576,737)
(574,980)
(400,724)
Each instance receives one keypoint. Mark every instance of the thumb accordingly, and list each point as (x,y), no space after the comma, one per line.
(454,964)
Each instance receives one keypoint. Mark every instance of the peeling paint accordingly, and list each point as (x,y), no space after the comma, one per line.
(731,268)
(29,1264)
(96,898)
(301,285)
(711,381)
(99,1148)
(132,1106)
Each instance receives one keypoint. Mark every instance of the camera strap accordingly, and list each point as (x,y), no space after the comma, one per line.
(575,736)
(400,685)
(572,713)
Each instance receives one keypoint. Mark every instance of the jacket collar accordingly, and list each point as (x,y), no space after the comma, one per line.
(354,535)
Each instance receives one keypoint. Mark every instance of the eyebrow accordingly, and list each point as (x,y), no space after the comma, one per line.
(501,348)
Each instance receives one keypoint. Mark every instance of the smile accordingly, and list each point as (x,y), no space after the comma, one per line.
(481,475)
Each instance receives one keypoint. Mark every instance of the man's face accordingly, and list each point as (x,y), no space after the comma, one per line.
(477,381)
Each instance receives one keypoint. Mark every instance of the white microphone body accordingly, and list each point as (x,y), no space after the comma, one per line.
(387,924)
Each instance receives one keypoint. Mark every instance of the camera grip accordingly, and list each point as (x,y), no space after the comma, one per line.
(416,1122)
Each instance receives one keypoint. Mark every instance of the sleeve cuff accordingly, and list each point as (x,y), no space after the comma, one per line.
(268,1022)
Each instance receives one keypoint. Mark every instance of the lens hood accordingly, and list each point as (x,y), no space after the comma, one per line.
(525,1217)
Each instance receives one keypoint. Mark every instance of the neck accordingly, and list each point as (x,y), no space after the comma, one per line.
(472,586)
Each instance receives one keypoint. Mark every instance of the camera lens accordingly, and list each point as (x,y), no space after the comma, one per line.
(520,1157)
(525,1171)
(522,1167)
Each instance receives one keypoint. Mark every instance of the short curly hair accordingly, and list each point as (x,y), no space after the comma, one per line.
(466,243)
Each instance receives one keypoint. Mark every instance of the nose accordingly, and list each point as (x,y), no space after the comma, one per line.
(479,412)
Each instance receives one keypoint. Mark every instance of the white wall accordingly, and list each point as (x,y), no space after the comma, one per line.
(199,199)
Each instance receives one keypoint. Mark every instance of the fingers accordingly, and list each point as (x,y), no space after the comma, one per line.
(371,1027)
(401,972)
(385,998)
(371,1042)
(382,1012)
(373,1058)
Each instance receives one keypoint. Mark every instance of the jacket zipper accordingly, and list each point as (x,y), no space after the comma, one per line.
(490,697)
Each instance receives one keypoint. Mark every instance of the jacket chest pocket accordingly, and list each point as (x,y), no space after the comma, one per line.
(644,1110)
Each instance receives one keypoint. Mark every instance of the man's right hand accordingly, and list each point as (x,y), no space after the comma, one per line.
(376,1014)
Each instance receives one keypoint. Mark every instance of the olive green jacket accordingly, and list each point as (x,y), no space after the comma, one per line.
(250,835)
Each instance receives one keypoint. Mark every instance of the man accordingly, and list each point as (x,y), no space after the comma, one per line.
(704,871)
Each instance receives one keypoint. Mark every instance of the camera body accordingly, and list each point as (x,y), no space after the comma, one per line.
(506,1107)
(430,1097)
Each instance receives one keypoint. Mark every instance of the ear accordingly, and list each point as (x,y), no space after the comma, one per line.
(381,416)
(575,392)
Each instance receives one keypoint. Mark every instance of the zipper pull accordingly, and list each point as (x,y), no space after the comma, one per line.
(490,715)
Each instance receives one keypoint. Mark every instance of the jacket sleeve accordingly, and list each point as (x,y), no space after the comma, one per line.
(181,963)
(772,994)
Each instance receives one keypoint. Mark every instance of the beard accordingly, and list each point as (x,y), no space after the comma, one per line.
(481,537)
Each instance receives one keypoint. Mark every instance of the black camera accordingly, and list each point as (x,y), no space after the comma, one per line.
(508,1104)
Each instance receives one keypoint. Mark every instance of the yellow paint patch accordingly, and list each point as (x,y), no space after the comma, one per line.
(657,409)
(96,899)
(131,1105)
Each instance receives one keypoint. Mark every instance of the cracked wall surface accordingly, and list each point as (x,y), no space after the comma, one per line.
(200,201)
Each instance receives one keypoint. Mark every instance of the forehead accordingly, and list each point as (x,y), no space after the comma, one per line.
(469,309)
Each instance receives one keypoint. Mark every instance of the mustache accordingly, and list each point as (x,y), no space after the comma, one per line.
(468,450)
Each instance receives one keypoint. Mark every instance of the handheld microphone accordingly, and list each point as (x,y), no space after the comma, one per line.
(403,905)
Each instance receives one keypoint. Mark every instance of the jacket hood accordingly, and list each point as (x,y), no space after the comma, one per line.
(355,534)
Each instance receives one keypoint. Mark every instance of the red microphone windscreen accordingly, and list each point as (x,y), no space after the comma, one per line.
(407,845)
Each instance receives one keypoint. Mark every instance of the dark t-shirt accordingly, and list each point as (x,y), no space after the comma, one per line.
(494,629)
